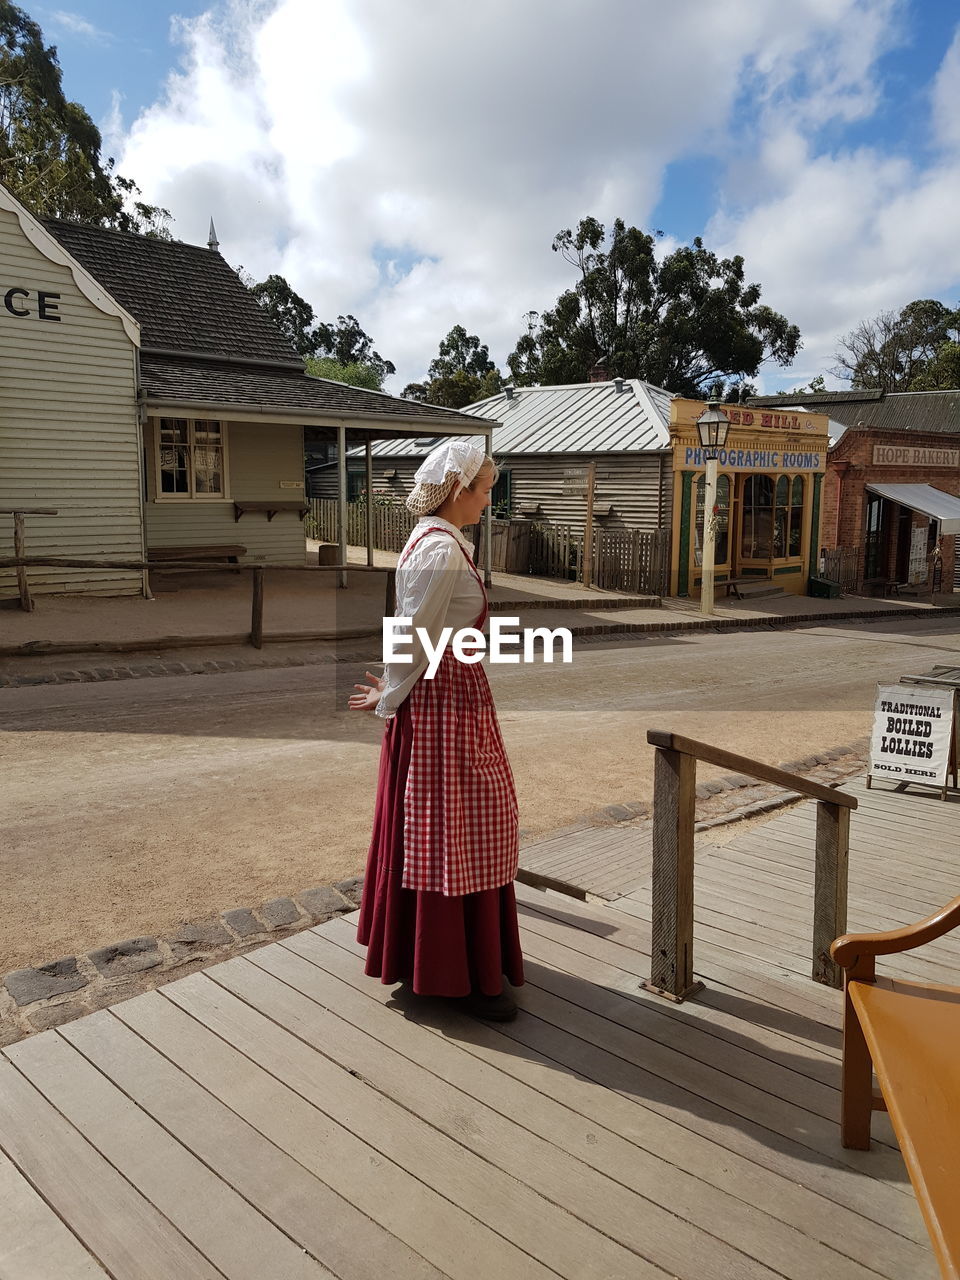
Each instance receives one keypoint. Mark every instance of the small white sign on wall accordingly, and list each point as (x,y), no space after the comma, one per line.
(912,730)
(917,574)
(291,484)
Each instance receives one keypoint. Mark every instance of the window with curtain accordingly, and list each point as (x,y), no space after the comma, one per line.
(191,459)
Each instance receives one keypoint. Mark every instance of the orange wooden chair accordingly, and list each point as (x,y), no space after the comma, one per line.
(909,1034)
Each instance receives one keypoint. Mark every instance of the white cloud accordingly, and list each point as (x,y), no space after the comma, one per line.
(838,236)
(412,163)
(79,26)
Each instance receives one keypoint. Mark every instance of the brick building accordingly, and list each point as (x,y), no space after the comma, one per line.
(891,495)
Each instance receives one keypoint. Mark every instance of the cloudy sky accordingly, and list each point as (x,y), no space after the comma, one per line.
(410,161)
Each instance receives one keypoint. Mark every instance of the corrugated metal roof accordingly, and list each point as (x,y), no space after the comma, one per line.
(589,417)
(925,499)
(936,411)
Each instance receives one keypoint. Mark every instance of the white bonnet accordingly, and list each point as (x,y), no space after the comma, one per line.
(462,458)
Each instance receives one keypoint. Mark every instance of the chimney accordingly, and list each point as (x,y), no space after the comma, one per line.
(599,371)
(212,241)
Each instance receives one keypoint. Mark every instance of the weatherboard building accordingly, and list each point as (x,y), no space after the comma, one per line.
(150,402)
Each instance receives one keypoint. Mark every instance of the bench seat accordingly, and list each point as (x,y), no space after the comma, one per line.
(909,1034)
(225,552)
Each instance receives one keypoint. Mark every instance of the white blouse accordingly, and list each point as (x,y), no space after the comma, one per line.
(436,589)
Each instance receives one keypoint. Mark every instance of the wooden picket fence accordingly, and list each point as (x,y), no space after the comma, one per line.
(623,559)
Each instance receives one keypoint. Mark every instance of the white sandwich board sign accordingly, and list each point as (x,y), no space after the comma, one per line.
(912,734)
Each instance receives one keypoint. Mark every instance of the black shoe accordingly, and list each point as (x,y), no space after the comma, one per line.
(500,1008)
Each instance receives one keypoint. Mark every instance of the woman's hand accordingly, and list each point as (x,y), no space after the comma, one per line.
(369,695)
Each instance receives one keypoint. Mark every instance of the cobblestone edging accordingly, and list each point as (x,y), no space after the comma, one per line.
(736,796)
(157,667)
(36,999)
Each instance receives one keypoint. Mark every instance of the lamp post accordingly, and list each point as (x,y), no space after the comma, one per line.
(712,427)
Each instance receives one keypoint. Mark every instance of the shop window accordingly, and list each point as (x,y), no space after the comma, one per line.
(190,458)
(722,526)
(772,518)
(756,541)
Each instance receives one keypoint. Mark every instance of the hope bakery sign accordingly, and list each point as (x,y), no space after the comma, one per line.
(912,731)
(897,455)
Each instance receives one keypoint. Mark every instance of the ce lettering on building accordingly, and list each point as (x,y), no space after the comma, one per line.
(26,304)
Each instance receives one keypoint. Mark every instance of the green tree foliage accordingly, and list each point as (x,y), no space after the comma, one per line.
(816,386)
(686,322)
(50,148)
(341,352)
(915,349)
(292,314)
(346,344)
(354,374)
(461,374)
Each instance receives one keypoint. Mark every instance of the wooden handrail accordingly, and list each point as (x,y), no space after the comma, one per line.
(754,768)
(256,571)
(207,566)
(674,799)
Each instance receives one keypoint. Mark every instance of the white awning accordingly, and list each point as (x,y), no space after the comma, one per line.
(926,500)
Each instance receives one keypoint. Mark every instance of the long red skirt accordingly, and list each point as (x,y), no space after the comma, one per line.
(444,946)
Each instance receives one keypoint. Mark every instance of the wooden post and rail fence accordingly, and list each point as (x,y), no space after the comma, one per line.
(256,571)
(19,548)
(674,798)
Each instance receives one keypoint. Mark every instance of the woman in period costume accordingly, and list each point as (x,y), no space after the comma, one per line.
(438,909)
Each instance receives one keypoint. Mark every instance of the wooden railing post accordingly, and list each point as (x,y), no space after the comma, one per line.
(830,889)
(26,600)
(671,943)
(256,618)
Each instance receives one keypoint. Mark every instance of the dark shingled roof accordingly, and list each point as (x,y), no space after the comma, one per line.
(936,411)
(186,298)
(168,380)
(190,304)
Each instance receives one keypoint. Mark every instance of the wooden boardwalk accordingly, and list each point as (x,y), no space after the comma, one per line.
(280,1116)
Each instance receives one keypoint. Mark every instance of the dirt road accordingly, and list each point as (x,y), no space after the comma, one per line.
(127,807)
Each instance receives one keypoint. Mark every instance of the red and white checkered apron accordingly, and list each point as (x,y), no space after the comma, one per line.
(460,832)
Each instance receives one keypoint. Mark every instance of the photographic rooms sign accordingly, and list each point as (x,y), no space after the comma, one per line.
(912,731)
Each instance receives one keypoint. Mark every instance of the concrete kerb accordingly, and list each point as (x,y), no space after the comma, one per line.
(49,995)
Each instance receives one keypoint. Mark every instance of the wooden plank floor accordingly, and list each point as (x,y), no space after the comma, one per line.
(281,1115)
(591,862)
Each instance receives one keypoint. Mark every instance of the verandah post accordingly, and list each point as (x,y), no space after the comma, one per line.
(671,940)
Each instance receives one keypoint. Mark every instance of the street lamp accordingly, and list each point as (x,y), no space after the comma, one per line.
(712,427)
